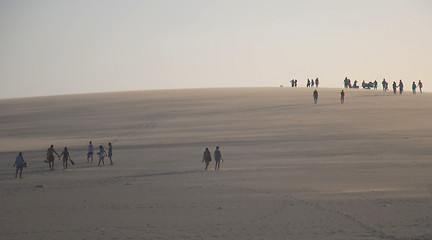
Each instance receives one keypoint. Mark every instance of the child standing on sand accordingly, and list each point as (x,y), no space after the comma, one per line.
(19,164)
(66,157)
(102,153)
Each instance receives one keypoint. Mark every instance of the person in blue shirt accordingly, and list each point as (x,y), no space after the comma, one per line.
(19,164)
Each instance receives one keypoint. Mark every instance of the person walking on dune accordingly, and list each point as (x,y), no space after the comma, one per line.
(401,86)
(66,158)
(218,158)
(414,86)
(110,153)
(206,158)
(19,164)
(342,96)
(394,87)
(315,96)
(102,153)
(420,86)
(50,157)
(90,152)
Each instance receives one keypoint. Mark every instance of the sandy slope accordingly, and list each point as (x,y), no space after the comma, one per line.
(292,170)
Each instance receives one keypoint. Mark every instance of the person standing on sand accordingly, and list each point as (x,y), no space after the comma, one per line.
(218,158)
(400,86)
(420,85)
(308,83)
(110,153)
(90,152)
(50,157)
(316,82)
(394,87)
(102,154)
(384,84)
(414,86)
(342,98)
(315,96)
(206,158)
(66,157)
(19,164)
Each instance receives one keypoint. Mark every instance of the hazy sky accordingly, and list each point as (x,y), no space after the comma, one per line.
(61,47)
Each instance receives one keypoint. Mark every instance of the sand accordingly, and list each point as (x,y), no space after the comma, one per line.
(293,169)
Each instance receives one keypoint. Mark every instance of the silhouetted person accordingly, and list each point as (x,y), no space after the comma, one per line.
(414,86)
(110,153)
(218,158)
(206,158)
(316,82)
(308,83)
(384,84)
(375,83)
(295,83)
(312,83)
(315,96)
(355,84)
(394,87)
(401,86)
(342,97)
(420,86)
(50,156)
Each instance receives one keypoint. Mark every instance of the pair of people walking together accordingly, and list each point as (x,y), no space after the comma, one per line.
(207,158)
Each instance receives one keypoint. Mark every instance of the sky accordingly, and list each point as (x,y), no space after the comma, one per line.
(56,47)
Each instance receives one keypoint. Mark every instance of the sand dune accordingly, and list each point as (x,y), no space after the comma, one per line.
(293,169)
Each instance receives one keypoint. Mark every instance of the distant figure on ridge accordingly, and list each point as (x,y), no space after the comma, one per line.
(414,86)
(110,153)
(308,83)
(316,82)
(384,84)
(102,153)
(218,157)
(312,83)
(206,158)
(342,96)
(315,96)
(90,152)
(295,83)
(401,86)
(375,83)
(420,86)
(66,158)
(394,87)
(19,164)
(50,157)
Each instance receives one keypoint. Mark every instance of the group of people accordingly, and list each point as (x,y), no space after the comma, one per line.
(311,82)
(374,85)
(20,163)
(207,158)
(102,154)
(395,86)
